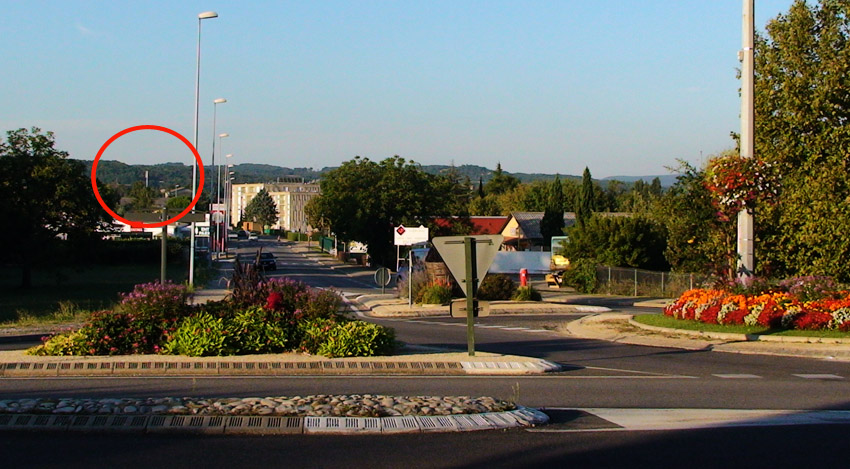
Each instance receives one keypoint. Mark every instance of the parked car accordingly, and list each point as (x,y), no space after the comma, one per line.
(242,234)
(267,261)
(252,236)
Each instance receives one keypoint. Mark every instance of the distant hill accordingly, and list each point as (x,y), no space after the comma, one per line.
(667,180)
(169,175)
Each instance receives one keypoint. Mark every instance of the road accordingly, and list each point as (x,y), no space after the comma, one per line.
(597,375)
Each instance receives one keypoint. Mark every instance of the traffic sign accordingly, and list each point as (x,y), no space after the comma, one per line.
(405,236)
(451,249)
(457,308)
(382,277)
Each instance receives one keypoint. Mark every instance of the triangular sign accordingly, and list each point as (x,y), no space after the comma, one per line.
(451,249)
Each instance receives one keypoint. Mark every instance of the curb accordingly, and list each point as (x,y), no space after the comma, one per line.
(268,425)
(742,337)
(94,367)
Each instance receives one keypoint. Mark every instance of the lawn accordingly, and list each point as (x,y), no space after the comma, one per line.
(89,288)
(661,320)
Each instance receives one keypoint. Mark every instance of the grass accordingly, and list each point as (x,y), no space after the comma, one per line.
(63,294)
(661,320)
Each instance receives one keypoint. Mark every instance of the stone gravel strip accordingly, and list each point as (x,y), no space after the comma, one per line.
(270,415)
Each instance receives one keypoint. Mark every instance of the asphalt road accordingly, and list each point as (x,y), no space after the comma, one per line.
(597,375)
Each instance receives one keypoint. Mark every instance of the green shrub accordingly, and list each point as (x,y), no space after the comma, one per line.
(435,293)
(314,332)
(199,335)
(69,343)
(357,339)
(255,330)
(581,275)
(496,287)
(420,279)
(122,333)
(527,294)
(156,300)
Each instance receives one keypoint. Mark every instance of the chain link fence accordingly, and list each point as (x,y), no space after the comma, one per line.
(636,282)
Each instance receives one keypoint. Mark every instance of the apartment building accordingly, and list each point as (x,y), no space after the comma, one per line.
(290,197)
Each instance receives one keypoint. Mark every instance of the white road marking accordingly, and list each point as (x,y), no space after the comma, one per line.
(817,376)
(684,419)
(736,376)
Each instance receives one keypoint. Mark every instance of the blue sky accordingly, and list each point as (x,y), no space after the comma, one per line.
(623,87)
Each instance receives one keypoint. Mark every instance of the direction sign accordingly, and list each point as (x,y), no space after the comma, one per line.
(405,236)
(451,249)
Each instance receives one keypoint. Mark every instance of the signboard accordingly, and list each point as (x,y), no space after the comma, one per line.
(451,249)
(405,236)
(457,308)
(202,231)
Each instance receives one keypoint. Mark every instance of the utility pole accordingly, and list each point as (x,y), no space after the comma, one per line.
(746,230)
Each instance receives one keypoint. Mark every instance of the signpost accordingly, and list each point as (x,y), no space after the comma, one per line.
(382,278)
(407,237)
(466,257)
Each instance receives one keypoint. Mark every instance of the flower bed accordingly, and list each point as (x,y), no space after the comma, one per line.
(279,315)
(773,309)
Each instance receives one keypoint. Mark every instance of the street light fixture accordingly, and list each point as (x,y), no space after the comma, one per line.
(203,16)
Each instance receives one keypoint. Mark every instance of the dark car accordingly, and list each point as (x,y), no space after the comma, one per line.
(267,261)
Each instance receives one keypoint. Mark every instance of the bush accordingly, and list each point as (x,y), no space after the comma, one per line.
(527,294)
(357,339)
(420,279)
(199,335)
(496,287)
(436,292)
(581,275)
(313,333)
(156,300)
(122,333)
(256,330)
(69,343)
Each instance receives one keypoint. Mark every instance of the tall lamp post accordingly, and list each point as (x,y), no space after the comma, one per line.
(203,16)
(216,102)
(746,229)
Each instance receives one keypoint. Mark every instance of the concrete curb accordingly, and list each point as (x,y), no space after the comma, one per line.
(383,307)
(272,425)
(214,367)
(742,337)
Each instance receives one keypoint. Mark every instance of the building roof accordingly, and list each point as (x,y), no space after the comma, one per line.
(529,223)
(480,225)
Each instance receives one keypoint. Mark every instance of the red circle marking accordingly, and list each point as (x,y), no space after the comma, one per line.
(138,224)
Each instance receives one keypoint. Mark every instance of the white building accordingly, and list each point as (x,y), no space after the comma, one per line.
(289,197)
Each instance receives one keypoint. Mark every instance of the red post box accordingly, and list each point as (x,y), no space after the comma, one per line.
(523,277)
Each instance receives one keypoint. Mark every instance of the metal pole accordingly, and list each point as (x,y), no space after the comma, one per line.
(164,248)
(471,292)
(410,280)
(195,164)
(746,228)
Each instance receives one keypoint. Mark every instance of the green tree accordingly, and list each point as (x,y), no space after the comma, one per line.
(177,204)
(619,242)
(142,196)
(501,182)
(261,209)
(363,200)
(552,223)
(587,198)
(46,197)
(802,108)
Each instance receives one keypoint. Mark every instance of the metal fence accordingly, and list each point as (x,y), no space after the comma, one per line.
(636,282)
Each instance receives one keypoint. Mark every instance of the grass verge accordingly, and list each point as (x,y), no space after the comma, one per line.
(661,320)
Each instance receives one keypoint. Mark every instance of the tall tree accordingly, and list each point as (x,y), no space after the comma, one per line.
(363,200)
(45,197)
(500,182)
(802,99)
(261,209)
(552,223)
(587,198)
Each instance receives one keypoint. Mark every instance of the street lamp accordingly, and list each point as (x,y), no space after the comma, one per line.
(217,190)
(216,102)
(203,16)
